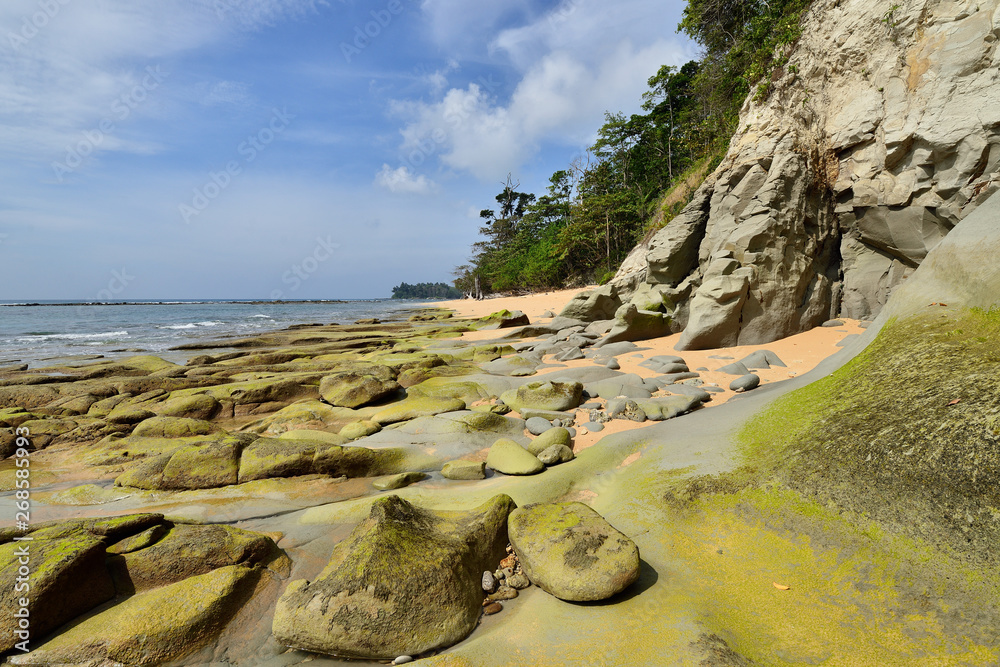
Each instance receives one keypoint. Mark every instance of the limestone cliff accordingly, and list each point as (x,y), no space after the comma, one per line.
(880,134)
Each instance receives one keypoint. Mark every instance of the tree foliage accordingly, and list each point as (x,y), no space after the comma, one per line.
(596,210)
(425,291)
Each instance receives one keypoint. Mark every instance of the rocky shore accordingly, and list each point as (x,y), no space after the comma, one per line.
(489,490)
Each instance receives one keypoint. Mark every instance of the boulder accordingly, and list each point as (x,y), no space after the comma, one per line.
(173,427)
(552,436)
(570,551)
(633,324)
(504,319)
(555,455)
(204,466)
(360,429)
(598,304)
(357,389)
(510,458)
(554,396)
(195,406)
(464,470)
(668,407)
(406,581)
(761,359)
(745,383)
(267,458)
(717,307)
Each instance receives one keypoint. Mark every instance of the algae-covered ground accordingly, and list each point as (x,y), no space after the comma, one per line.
(835,519)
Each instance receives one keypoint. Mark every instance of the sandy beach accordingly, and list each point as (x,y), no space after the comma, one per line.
(801,353)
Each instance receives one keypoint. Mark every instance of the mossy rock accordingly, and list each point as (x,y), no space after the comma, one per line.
(310,413)
(419,406)
(503,319)
(510,458)
(14,417)
(173,427)
(147,363)
(74,405)
(147,474)
(192,406)
(570,551)
(405,582)
(187,551)
(103,407)
(552,436)
(359,461)
(67,578)
(312,435)
(464,470)
(552,396)
(51,427)
(360,429)
(398,481)
(27,397)
(354,390)
(556,454)
(469,392)
(271,390)
(154,627)
(129,414)
(266,458)
(204,466)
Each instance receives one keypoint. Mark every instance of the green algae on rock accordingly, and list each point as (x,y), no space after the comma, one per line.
(405,582)
(153,627)
(418,406)
(551,396)
(550,437)
(464,470)
(570,551)
(510,458)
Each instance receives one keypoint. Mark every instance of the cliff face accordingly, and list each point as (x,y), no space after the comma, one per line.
(881,133)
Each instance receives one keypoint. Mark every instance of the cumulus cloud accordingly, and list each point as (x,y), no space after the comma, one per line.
(403,181)
(571,74)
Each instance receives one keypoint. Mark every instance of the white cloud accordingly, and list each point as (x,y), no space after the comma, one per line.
(402,180)
(575,65)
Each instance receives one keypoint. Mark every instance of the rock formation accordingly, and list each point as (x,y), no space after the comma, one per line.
(879,135)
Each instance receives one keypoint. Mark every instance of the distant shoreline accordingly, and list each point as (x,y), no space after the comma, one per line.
(38,304)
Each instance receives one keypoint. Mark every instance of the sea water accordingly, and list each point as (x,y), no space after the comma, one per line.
(46,333)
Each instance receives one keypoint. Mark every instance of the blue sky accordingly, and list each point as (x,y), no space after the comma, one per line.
(296,149)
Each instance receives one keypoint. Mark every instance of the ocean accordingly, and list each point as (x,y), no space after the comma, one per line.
(46,333)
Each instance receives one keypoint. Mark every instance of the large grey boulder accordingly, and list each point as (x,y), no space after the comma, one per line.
(633,324)
(598,304)
(570,551)
(406,581)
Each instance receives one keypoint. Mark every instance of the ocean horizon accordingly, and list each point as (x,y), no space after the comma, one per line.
(42,333)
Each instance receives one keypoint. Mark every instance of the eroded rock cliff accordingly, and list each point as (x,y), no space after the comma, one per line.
(879,135)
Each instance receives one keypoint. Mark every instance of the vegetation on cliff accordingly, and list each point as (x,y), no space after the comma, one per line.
(595,211)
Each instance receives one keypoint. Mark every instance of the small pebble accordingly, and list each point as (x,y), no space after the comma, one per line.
(503,593)
(572,431)
(489,582)
(594,427)
(492,608)
(613,365)
(519,581)
(402,660)
(499,575)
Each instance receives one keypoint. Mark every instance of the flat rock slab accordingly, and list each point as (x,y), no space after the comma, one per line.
(420,406)
(406,581)
(571,552)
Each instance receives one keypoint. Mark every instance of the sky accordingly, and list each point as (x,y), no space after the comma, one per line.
(291,149)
